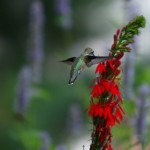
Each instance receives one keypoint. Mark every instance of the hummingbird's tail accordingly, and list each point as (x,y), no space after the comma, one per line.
(72,80)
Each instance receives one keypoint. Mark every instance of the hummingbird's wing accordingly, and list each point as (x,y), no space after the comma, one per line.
(91,60)
(69,61)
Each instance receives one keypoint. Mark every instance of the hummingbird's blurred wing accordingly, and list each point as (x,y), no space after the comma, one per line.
(91,60)
(69,61)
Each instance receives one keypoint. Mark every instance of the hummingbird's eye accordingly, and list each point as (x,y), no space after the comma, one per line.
(91,53)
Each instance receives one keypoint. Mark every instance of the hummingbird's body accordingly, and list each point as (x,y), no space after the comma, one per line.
(76,68)
(86,59)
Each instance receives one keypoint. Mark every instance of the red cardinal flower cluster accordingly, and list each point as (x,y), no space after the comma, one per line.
(105,105)
(105,108)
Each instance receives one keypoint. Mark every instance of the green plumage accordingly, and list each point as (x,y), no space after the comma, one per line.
(86,59)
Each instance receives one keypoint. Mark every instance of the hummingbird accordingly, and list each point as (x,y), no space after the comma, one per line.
(86,59)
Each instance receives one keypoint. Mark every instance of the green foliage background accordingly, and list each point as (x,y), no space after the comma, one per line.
(48,109)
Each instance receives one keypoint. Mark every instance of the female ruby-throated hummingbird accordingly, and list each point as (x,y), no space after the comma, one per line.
(86,59)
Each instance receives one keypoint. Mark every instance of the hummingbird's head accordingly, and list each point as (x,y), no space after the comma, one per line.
(89,51)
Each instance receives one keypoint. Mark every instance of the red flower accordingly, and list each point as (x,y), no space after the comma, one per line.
(113,64)
(110,64)
(120,55)
(115,91)
(106,84)
(118,114)
(99,111)
(110,112)
(97,90)
(118,32)
(100,87)
(100,68)
(113,46)
(117,72)
(92,110)
(108,147)
(107,111)
(116,36)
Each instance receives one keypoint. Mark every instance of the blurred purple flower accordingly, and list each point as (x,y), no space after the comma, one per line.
(63,9)
(46,140)
(61,147)
(36,28)
(75,120)
(141,122)
(63,6)
(23,95)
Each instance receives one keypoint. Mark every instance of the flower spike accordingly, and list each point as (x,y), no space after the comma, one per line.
(106,111)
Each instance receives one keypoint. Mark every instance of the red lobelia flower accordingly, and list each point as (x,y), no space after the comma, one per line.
(105,109)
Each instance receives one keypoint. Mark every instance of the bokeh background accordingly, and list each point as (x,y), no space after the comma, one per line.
(38,109)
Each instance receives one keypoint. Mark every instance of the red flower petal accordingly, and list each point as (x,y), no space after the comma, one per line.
(100,68)
(120,55)
(117,72)
(118,32)
(112,47)
(92,110)
(106,84)
(118,114)
(110,64)
(99,112)
(97,90)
